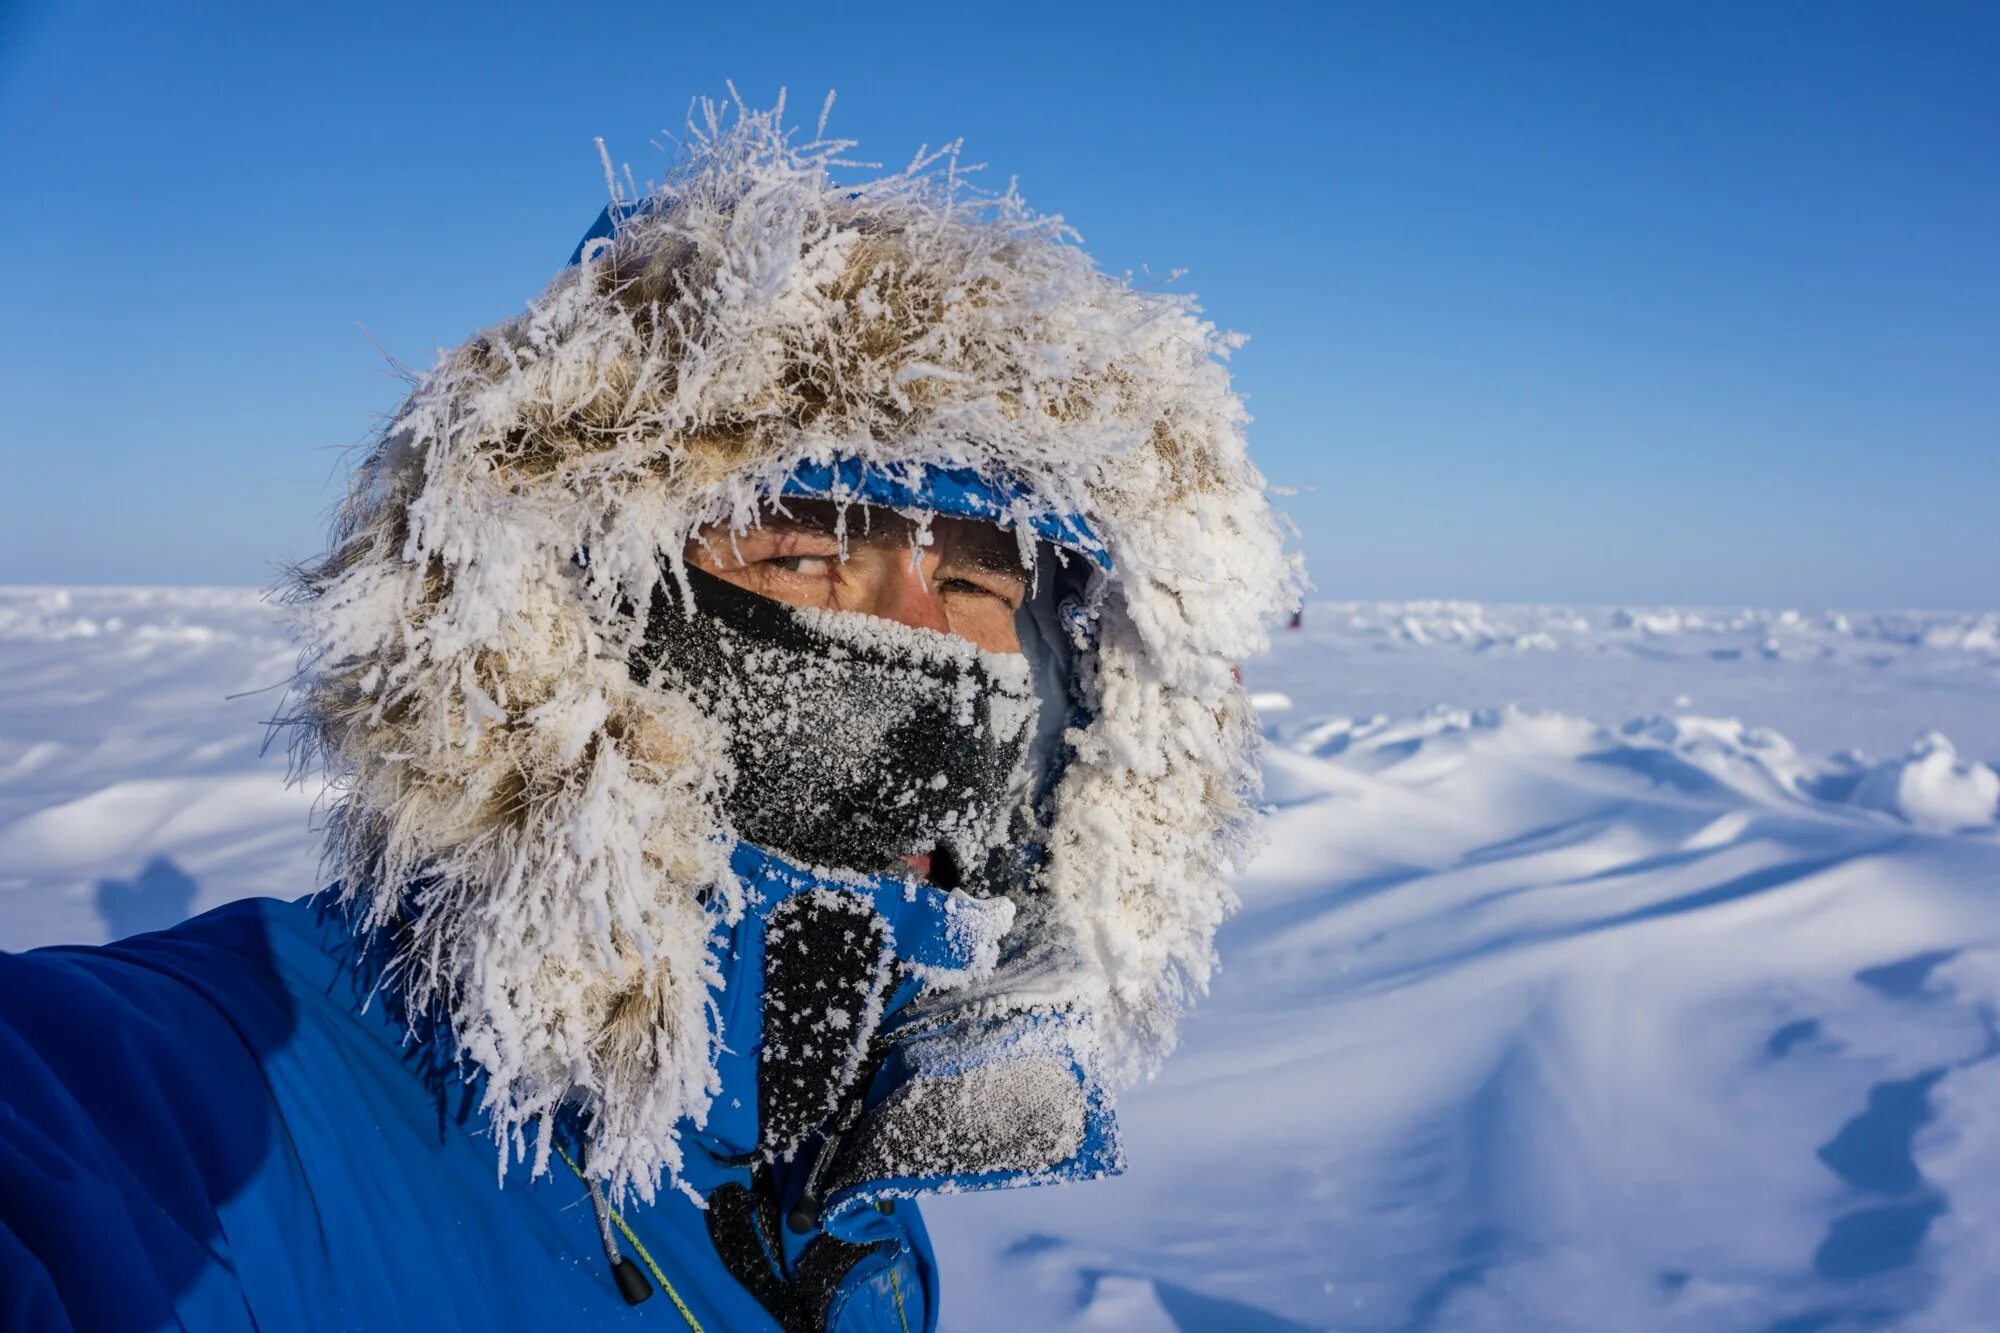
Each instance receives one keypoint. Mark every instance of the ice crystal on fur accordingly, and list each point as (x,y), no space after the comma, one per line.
(539,835)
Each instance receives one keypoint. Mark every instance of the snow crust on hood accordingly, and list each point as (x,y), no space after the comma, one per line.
(540,837)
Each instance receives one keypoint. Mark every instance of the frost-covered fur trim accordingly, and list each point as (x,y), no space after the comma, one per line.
(542,834)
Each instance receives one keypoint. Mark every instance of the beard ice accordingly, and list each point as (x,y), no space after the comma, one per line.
(856,741)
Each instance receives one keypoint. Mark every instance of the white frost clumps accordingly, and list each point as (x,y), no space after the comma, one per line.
(540,835)
(1933,789)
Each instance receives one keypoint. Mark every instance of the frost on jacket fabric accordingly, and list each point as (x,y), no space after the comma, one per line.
(212,1128)
(553,931)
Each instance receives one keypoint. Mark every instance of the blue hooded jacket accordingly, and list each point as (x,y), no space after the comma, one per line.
(225,1126)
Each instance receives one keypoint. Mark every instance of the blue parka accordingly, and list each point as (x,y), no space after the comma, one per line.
(229,1125)
(214,1128)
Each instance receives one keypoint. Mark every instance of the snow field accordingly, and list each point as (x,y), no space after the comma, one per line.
(135,784)
(1526,1022)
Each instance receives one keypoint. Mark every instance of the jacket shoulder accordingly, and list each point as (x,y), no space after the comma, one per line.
(133,1100)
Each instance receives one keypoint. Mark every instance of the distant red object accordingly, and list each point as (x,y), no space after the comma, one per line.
(1298,619)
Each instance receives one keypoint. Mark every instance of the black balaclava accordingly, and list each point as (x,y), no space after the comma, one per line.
(856,740)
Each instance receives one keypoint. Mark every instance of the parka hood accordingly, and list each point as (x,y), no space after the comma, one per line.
(539,836)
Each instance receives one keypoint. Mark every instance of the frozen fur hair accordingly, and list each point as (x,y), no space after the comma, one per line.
(537,838)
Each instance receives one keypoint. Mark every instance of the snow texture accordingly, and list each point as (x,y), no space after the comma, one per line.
(1528,1022)
(545,835)
(1531,1023)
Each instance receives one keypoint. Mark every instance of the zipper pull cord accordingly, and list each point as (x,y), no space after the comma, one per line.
(632,1284)
(805,1214)
(636,1289)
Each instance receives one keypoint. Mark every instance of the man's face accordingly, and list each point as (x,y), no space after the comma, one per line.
(967,581)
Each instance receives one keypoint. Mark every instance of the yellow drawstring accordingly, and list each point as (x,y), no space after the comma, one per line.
(640,1250)
(896,1288)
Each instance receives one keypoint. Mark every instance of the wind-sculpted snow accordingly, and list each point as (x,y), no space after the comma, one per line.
(1828,680)
(1529,1023)
(1606,1012)
(135,786)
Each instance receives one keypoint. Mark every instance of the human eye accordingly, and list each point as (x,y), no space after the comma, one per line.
(993,585)
(811,565)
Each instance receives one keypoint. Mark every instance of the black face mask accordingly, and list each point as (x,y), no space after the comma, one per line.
(857,741)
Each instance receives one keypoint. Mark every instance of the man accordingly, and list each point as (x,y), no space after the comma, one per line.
(779,697)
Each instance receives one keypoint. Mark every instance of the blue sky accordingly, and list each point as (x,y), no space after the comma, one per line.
(1679,302)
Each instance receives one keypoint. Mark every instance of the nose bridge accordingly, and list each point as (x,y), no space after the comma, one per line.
(908,592)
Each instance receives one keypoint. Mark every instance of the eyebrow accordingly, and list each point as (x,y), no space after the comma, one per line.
(992,557)
(811,516)
(983,546)
(787,527)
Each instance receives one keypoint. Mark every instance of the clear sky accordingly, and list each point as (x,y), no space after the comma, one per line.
(1679,302)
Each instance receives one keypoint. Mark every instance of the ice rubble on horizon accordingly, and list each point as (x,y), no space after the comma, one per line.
(1550,627)
(1930,787)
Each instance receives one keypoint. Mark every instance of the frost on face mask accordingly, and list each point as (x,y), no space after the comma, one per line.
(857,742)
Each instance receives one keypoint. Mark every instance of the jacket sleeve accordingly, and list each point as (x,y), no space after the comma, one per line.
(130,1102)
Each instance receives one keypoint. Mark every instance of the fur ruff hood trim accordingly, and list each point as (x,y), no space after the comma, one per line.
(544,834)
